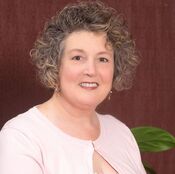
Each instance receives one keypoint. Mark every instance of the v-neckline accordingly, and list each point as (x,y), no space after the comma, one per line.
(101,165)
(79,141)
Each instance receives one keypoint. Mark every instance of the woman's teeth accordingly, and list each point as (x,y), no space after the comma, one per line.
(90,85)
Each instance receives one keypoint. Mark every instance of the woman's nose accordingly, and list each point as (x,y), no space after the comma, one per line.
(90,68)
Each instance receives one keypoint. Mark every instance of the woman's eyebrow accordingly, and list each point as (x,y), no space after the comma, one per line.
(104,52)
(81,50)
(76,49)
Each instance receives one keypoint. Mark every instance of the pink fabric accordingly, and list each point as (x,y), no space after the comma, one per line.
(31,144)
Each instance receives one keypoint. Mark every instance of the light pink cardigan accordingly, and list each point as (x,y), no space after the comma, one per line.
(31,144)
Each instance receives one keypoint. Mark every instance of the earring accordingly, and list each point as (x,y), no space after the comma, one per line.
(57,89)
(109,95)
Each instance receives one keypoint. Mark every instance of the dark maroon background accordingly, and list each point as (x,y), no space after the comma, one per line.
(151,101)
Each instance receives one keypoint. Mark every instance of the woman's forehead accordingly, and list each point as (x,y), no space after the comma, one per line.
(80,40)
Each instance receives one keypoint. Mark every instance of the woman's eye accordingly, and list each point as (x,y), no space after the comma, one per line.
(76,58)
(103,59)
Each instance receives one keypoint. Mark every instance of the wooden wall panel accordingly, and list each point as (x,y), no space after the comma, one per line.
(151,100)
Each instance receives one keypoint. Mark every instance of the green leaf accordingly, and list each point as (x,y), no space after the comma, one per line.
(149,169)
(152,139)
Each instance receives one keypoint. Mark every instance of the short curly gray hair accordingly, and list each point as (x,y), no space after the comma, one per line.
(92,16)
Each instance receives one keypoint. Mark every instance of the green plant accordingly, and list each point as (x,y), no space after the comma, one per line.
(152,139)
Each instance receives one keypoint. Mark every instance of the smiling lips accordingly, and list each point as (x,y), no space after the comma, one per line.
(89,85)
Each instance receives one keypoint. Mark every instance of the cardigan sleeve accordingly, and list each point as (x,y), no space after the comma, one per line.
(18,154)
(136,154)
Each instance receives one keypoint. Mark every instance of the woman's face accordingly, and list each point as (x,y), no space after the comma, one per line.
(87,68)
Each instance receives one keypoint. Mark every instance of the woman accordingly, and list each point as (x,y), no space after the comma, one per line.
(83,52)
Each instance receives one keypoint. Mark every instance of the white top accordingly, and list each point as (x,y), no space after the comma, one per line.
(31,144)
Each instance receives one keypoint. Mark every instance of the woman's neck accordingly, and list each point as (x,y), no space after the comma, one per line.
(72,110)
(76,121)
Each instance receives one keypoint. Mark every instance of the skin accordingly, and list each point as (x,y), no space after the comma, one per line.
(88,60)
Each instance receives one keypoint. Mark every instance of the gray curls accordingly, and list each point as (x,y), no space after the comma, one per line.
(91,16)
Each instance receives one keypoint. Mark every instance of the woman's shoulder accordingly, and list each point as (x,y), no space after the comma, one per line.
(27,124)
(115,129)
(21,120)
(112,122)
(119,134)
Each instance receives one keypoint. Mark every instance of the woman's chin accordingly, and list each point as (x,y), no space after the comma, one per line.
(89,104)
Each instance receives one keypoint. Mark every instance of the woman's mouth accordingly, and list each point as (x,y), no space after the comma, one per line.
(90,85)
